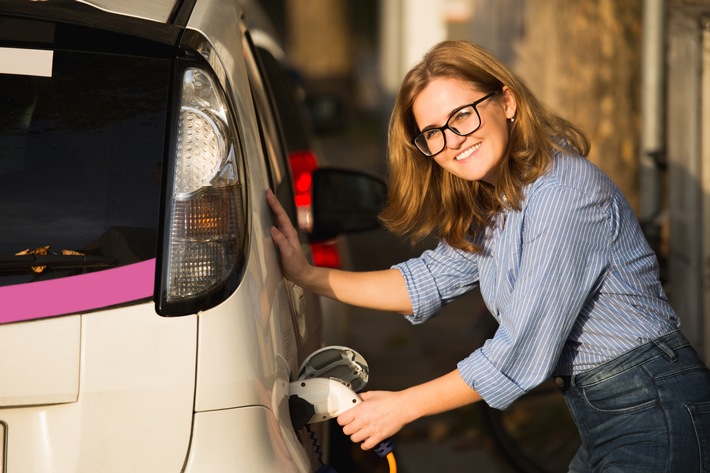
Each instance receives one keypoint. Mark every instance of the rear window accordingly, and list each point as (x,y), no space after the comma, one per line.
(81,152)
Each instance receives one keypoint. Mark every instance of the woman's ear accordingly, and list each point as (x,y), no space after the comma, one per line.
(510,105)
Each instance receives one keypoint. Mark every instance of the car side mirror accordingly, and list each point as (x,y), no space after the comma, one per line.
(345,201)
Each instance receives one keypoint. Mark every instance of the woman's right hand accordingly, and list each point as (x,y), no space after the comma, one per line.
(294,263)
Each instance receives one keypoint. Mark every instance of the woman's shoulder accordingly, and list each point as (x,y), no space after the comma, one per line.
(576,173)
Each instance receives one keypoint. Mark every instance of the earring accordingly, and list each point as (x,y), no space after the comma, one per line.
(511,119)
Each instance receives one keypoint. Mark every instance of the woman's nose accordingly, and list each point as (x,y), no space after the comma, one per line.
(453,140)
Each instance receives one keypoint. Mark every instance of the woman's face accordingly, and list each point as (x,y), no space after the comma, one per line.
(475,157)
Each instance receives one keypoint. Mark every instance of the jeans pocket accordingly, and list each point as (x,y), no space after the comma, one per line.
(700,415)
(624,393)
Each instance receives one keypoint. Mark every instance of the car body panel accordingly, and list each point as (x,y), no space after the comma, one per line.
(154,10)
(134,406)
(245,439)
(49,375)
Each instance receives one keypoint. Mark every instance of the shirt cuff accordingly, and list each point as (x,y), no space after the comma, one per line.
(424,295)
(496,389)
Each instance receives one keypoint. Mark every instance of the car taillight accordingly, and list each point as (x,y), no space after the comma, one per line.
(205,223)
(303,163)
(326,253)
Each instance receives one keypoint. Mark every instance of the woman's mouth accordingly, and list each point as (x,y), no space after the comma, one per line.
(468,152)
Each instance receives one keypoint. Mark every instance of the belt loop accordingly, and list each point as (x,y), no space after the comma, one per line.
(670,354)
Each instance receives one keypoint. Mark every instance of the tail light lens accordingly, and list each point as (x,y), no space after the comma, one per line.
(205,226)
(326,254)
(303,163)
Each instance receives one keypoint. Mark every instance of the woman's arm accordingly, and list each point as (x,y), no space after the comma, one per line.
(382,290)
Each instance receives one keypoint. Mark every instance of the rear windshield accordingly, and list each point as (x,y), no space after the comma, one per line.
(81,152)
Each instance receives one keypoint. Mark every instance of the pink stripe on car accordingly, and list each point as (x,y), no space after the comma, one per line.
(77,293)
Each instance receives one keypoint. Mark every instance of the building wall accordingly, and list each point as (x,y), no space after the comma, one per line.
(688,172)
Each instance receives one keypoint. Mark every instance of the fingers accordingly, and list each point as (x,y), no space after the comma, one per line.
(294,264)
(366,425)
(359,433)
(367,438)
(365,395)
(283,223)
(278,237)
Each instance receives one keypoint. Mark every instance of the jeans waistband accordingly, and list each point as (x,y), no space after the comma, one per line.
(662,346)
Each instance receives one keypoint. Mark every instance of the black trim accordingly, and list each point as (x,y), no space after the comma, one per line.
(182,12)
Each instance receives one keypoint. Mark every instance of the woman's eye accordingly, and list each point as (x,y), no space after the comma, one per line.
(429,134)
(462,115)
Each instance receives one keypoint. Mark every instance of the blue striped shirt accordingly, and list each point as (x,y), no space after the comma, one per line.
(570,279)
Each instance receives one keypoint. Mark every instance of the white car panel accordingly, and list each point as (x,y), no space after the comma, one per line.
(45,362)
(136,366)
(248,439)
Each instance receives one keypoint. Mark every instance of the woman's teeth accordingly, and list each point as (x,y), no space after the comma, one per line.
(468,152)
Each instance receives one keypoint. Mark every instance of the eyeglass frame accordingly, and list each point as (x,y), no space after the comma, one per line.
(446,126)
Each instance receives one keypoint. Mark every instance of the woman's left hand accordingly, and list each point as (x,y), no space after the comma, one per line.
(379,416)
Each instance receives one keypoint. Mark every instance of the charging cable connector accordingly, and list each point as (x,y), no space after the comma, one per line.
(319,399)
(328,396)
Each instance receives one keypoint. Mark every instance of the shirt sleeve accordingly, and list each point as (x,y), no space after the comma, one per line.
(565,243)
(436,278)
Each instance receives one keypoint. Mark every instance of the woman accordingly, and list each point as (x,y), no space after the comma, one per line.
(560,261)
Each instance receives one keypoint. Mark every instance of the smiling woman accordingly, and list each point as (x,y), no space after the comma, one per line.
(558,255)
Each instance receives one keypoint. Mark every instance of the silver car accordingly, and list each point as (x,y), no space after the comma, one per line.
(145,324)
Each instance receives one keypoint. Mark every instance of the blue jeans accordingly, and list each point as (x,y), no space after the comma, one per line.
(647,411)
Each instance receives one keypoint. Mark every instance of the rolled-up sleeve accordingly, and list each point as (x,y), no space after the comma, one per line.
(436,278)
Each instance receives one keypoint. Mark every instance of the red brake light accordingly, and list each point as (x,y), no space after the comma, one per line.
(303,163)
(326,254)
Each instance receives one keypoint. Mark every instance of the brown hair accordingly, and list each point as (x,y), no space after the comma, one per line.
(423,197)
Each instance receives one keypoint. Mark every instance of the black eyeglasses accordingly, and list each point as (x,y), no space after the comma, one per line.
(463,121)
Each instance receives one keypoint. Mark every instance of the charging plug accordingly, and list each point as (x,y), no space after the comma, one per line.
(328,396)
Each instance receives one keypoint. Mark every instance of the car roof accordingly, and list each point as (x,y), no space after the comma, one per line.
(160,21)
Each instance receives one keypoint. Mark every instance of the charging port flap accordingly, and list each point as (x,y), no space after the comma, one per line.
(338,362)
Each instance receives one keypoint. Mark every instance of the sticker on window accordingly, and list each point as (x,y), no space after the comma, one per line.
(26,62)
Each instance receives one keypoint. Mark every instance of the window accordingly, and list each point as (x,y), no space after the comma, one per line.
(81,154)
